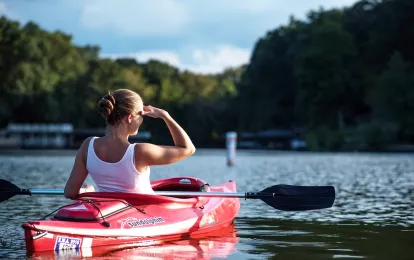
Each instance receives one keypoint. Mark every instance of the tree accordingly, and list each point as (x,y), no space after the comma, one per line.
(393,99)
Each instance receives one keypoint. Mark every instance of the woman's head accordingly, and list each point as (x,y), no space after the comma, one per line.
(122,106)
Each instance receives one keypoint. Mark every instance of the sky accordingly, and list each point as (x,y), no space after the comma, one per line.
(200,36)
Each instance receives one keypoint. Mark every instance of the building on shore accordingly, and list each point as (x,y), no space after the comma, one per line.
(280,139)
(38,135)
(51,136)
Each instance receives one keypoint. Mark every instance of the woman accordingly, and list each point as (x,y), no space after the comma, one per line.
(114,164)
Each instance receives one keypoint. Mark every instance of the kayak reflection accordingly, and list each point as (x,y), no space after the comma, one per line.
(218,244)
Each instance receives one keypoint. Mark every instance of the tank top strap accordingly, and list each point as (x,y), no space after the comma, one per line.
(131,154)
(90,150)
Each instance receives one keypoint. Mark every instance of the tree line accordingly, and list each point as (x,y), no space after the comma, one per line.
(345,76)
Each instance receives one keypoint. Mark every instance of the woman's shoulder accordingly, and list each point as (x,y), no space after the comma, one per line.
(141,150)
(85,143)
(88,140)
(142,147)
(137,147)
(83,149)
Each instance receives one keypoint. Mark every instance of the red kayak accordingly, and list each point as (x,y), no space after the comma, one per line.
(216,244)
(126,219)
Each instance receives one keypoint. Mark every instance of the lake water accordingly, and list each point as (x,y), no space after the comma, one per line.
(372,218)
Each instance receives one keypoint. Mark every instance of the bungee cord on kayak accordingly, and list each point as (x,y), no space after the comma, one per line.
(96,204)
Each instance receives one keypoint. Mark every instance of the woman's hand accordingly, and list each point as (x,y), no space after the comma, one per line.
(154,112)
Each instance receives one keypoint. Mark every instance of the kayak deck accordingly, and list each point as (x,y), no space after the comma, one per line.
(111,219)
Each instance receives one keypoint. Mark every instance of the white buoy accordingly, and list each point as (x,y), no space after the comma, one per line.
(231,143)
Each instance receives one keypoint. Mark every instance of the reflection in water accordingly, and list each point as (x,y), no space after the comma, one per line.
(372,217)
(315,240)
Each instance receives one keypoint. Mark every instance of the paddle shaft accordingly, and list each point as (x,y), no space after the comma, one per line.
(281,196)
(249,195)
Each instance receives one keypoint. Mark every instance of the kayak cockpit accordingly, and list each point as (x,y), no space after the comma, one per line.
(171,184)
(146,199)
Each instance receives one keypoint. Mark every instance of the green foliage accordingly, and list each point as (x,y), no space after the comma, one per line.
(324,139)
(393,98)
(322,70)
(371,135)
(46,78)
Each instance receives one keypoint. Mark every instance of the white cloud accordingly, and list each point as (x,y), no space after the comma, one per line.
(138,17)
(264,6)
(169,57)
(213,9)
(4,10)
(255,17)
(183,20)
(204,61)
(218,58)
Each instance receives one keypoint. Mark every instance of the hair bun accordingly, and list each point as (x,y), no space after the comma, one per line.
(106,105)
(110,98)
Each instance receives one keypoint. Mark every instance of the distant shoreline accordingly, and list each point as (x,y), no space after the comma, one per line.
(205,150)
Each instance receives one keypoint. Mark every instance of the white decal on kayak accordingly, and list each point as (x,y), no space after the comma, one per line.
(64,243)
(86,247)
(134,222)
(184,181)
(80,207)
(87,242)
(49,235)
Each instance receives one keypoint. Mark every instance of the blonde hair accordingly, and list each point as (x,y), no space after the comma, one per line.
(113,107)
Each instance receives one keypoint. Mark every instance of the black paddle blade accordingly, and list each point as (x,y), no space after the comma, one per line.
(7,190)
(298,198)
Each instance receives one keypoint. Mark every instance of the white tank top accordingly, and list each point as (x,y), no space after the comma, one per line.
(121,176)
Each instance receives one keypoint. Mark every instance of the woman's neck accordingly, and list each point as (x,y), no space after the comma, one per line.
(117,133)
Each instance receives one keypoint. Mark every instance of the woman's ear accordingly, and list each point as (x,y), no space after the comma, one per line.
(129,118)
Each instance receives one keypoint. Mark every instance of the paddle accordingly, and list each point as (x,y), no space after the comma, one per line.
(281,197)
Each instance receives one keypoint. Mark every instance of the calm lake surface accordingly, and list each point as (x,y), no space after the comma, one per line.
(372,218)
